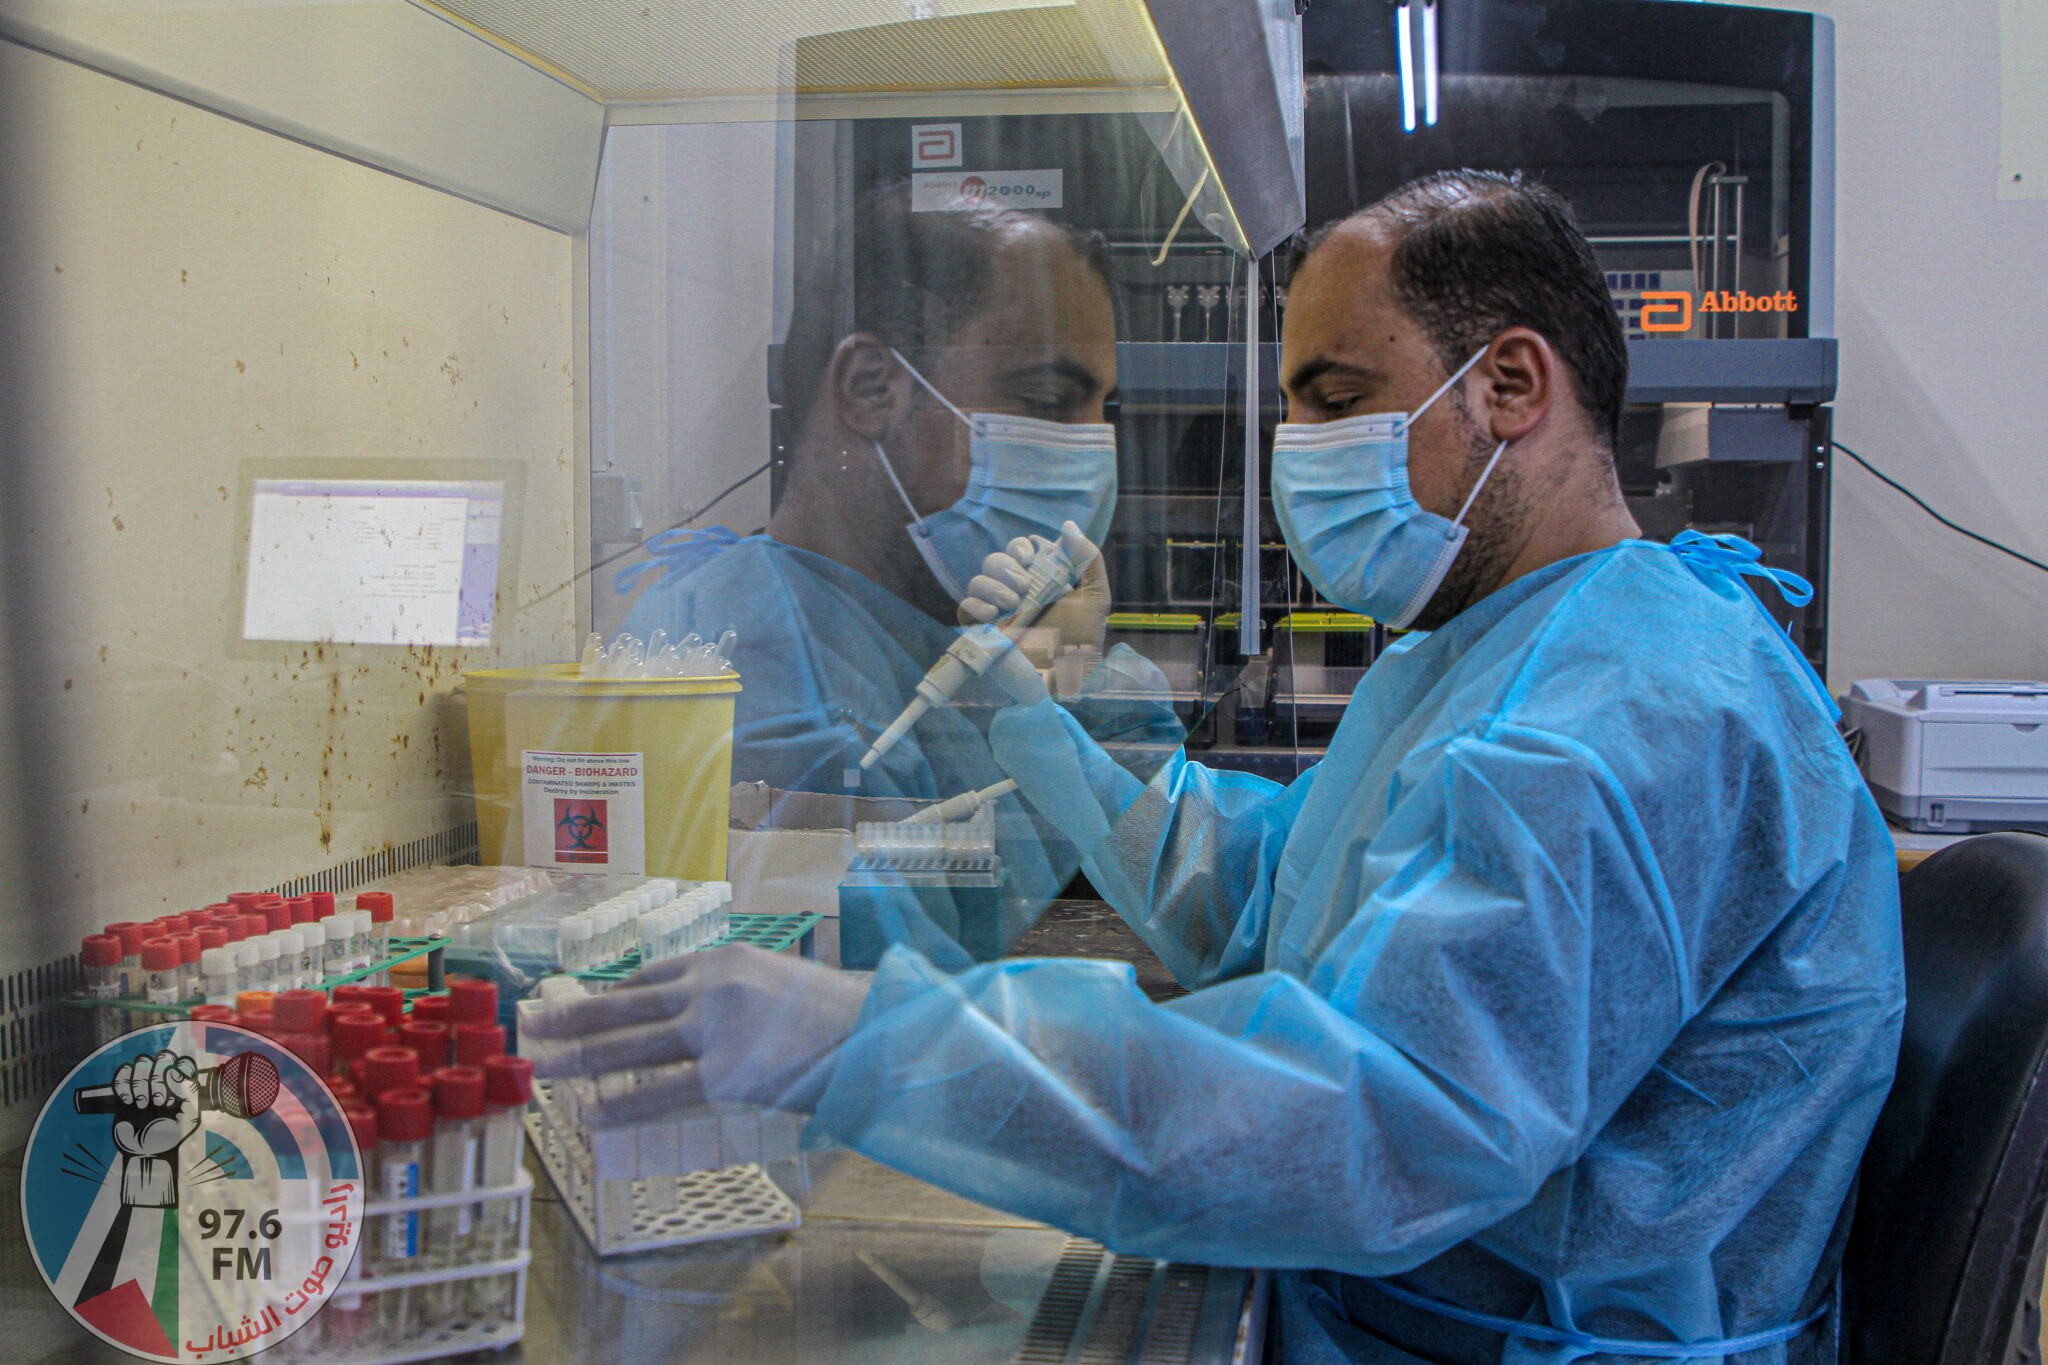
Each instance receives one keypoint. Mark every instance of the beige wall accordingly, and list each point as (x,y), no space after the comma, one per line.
(203,294)
(1940,298)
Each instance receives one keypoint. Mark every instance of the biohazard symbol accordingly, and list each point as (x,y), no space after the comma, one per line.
(580,831)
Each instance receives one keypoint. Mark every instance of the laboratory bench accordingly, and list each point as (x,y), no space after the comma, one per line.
(885,1268)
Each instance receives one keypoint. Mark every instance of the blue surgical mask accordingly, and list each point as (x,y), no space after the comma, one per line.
(1028,477)
(1340,490)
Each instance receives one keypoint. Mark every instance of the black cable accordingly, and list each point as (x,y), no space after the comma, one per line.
(723,494)
(1914,498)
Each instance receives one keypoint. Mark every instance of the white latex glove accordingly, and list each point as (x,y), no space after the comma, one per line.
(1079,617)
(731,1024)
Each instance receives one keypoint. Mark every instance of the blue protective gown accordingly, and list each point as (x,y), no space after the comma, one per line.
(1565,989)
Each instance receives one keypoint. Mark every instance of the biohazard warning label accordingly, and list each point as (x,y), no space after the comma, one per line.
(585,811)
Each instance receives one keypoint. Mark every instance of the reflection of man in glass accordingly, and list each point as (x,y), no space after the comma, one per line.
(892,500)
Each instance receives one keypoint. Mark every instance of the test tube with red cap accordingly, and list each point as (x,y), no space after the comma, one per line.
(451,1169)
(162,970)
(299,1017)
(349,1319)
(389,1068)
(476,1044)
(131,935)
(323,904)
(405,1122)
(428,1038)
(276,912)
(301,908)
(350,1036)
(103,982)
(388,1001)
(189,987)
(382,912)
(472,1000)
(508,1088)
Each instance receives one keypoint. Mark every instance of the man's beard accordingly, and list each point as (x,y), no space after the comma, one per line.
(1493,531)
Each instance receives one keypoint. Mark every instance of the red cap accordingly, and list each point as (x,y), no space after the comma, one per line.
(212,1014)
(388,1068)
(160,955)
(302,909)
(255,926)
(299,1011)
(434,1007)
(362,1121)
(276,915)
(310,1048)
(459,1092)
(428,1038)
(351,994)
(211,936)
(378,903)
(222,908)
(131,935)
(472,1001)
(245,901)
(338,1009)
(388,1001)
(255,1000)
(188,946)
(231,925)
(508,1080)
(270,899)
(344,1090)
(353,1035)
(102,950)
(176,924)
(405,1116)
(257,1021)
(323,904)
(476,1044)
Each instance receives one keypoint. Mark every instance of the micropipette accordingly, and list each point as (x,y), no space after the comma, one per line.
(1050,576)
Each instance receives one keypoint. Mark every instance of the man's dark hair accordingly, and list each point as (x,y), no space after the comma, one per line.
(1477,252)
(915,279)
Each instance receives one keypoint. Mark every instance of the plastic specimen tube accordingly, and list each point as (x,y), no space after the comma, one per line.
(405,1122)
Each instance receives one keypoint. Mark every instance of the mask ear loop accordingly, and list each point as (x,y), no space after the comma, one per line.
(883,455)
(944,401)
(1428,402)
(1484,475)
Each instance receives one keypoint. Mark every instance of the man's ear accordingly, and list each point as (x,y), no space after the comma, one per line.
(1520,378)
(870,390)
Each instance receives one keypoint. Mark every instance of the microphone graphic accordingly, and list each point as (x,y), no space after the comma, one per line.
(241,1087)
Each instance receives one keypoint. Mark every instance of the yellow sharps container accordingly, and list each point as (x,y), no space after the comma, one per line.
(622,775)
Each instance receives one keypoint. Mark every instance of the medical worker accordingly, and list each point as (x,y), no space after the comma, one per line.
(946,374)
(1544,1020)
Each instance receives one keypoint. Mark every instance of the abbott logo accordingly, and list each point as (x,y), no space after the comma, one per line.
(1671,310)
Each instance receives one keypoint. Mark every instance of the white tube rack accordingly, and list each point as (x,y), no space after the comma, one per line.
(674,1181)
(433,1341)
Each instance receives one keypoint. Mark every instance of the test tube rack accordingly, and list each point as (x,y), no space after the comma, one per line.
(402,950)
(697,1177)
(771,933)
(458,1335)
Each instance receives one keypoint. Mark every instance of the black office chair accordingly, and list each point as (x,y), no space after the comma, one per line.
(1945,1254)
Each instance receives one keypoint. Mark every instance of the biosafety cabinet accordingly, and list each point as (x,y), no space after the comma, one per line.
(354,349)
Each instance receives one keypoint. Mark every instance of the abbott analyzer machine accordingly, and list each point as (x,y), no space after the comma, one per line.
(1954,757)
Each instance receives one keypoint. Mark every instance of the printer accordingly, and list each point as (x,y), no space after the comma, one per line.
(1954,757)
